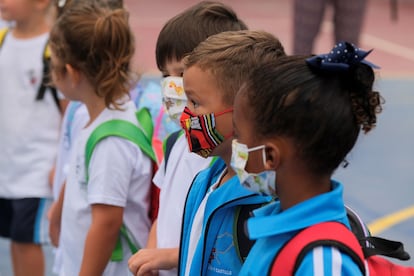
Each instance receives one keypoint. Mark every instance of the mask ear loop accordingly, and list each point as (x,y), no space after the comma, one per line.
(263,152)
(223,112)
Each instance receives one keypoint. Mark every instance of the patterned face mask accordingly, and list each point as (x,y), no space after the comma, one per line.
(173,97)
(201,133)
(263,183)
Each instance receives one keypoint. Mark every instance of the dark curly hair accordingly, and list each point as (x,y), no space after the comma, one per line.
(321,112)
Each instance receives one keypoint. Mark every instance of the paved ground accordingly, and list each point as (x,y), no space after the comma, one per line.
(378,181)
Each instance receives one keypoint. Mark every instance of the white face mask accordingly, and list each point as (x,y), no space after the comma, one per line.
(173,97)
(262,183)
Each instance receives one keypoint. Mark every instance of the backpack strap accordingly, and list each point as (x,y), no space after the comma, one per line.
(374,245)
(145,120)
(3,33)
(129,131)
(168,145)
(335,234)
(122,129)
(241,241)
(45,84)
(46,72)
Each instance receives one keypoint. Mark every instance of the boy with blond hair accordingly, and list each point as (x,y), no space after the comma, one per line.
(213,221)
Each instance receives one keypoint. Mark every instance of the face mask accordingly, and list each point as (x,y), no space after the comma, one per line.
(262,183)
(173,97)
(201,133)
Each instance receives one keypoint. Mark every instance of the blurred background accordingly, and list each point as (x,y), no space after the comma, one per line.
(379,181)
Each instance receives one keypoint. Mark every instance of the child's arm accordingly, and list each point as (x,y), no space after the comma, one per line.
(147,260)
(55,217)
(101,238)
(152,236)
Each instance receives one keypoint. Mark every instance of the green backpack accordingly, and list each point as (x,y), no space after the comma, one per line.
(140,137)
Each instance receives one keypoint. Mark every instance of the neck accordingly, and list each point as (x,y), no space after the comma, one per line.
(224,152)
(94,104)
(300,188)
(31,27)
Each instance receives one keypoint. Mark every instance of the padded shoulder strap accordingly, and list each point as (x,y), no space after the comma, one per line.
(119,128)
(3,33)
(45,84)
(374,245)
(145,120)
(333,234)
(169,143)
(242,242)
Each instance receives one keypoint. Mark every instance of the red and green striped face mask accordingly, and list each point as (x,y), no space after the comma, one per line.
(202,135)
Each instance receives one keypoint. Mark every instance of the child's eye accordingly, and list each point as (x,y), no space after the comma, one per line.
(194,103)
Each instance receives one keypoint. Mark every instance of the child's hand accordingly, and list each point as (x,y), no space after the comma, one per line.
(149,261)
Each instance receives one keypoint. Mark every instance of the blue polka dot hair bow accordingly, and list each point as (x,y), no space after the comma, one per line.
(340,58)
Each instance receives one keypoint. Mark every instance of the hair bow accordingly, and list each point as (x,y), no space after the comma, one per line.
(340,58)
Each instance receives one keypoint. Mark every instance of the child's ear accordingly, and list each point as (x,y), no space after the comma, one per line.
(272,152)
(73,74)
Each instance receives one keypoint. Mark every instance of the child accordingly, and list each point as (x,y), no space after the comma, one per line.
(74,119)
(91,53)
(214,72)
(29,133)
(179,36)
(295,121)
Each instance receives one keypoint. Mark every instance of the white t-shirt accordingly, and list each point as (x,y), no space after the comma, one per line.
(29,128)
(75,118)
(119,175)
(174,184)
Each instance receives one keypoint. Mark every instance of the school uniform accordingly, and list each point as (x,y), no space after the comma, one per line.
(75,118)
(207,244)
(272,228)
(29,137)
(174,181)
(119,175)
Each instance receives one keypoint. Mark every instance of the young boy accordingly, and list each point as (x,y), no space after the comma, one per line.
(214,72)
(179,36)
(29,134)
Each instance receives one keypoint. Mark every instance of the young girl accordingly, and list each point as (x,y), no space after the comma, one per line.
(91,53)
(295,121)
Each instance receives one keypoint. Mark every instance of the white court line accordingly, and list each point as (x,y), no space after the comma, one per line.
(379,43)
(389,47)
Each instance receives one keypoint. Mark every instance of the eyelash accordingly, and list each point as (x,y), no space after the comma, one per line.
(195,104)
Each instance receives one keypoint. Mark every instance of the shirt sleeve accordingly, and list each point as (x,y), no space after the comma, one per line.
(160,175)
(328,261)
(111,169)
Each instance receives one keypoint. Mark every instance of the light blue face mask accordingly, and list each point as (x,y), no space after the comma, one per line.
(263,183)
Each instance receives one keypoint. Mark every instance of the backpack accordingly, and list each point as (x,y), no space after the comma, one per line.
(363,250)
(44,85)
(141,138)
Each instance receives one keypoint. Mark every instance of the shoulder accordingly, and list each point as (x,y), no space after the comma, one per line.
(328,260)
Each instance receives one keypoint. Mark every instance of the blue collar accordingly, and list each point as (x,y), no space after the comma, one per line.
(270,220)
